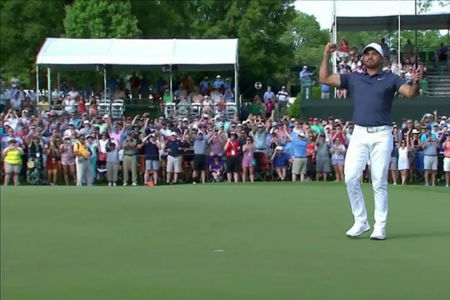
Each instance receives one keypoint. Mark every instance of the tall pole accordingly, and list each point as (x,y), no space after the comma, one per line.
(334,40)
(415,33)
(399,37)
(104,82)
(58,80)
(49,85)
(37,83)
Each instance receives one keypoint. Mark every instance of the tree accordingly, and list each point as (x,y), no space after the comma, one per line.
(100,19)
(425,5)
(306,39)
(24,26)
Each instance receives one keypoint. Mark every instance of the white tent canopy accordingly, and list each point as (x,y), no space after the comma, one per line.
(143,54)
(212,54)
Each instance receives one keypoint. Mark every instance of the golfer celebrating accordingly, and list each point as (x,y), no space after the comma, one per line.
(372,93)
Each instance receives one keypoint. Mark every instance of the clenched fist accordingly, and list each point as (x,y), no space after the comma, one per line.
(329,48)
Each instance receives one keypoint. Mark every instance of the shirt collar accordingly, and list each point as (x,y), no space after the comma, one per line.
(379,74)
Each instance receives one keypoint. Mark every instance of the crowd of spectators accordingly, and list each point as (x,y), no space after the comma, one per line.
(83,147)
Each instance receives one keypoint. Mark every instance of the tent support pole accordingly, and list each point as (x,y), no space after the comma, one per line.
(104,82)
(58,80)
(399,38)
(236,88)
(49,85)
(37,83)
(170,83)
(334,41)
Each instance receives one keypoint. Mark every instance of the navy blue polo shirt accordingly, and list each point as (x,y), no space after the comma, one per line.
(174,147)
(372,96)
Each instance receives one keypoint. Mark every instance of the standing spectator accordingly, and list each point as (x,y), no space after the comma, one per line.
(446,148)
(53,157)
(232,149)
(218,84)
(322,158)
(268,95)
(112,163)
(430,161)
(204,86)
(199,166)
(442,52)
(403,159)
(92,144)
(174,148)
(35,165)
(67,159)
(325,91)
(151,150)
(299,144)
(393,164)
(283,99)
(280,162)
(129,159)
(248,161)
(81,151)
(337,159)
(13,161)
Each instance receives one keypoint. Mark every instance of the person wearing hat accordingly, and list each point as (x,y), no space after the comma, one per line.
(175,149)
(299,160)
(323,162)
(82,154)
(130,147)
(280,162)
(204,85)
(232,149)
(373,93)
(430,145)
(218,83)
(12,156)
(283,99)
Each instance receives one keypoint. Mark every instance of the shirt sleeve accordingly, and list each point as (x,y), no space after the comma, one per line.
(344,81)
(398,82)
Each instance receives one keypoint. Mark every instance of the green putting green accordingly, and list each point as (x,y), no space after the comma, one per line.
(220,241)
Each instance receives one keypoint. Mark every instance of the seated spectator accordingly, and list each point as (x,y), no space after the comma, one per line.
(216,168)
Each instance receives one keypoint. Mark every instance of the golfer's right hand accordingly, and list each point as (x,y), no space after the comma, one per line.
(330,48)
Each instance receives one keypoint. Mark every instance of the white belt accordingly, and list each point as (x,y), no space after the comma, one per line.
(373,129)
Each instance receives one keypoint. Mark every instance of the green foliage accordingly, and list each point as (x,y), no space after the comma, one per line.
(294,110)
(425,5)
(100,19)
(24,26)
(306,39)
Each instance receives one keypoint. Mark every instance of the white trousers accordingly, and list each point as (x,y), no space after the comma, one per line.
(83,171)
(376,146)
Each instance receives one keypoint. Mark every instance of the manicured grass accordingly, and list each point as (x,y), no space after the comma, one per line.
(220,241)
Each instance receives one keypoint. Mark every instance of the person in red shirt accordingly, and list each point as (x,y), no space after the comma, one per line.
(232,153)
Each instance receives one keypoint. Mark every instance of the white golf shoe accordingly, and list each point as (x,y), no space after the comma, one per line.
(378,233)
(357,229)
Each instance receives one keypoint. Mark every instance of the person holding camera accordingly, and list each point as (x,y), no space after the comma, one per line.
(112,162)
(430,146)
(151,147)
(232,148)
(53,156)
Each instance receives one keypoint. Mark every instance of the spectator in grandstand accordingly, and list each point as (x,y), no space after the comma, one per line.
(16,96)
(304,73)
(218,83)
(12,155)
(337,159)
(442,52)
(204,85)
(67,159)
(93,107)
(232,149)
(429,145)
(135,83)
(322,157)
(408,49)
(248,161)
(229,96)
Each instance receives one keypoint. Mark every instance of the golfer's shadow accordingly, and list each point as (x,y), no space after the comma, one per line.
(420,235)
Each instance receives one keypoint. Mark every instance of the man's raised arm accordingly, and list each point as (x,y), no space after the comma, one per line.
(325,75)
